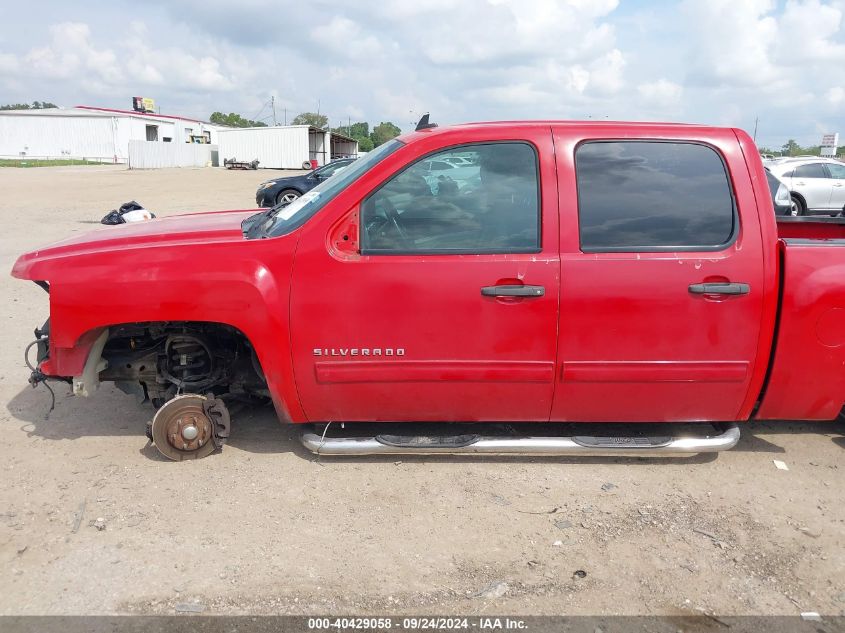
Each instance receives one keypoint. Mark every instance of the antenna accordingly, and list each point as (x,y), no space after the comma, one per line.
(424,124)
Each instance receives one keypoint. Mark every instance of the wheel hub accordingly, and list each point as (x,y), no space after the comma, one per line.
(182,429)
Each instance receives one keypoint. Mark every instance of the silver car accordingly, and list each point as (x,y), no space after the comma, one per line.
(816,185)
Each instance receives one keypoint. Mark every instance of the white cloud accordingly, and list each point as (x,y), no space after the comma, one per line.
(807,33)
(342,35)
(9,64)
(72,56)
(716,61)
(733,41)
(661,93)
(836,96)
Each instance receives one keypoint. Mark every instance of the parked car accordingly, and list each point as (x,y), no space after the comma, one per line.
(816,185)
(599,272)
(781,199)
(460,161)
(287,189)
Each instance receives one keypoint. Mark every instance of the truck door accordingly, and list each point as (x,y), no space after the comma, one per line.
(662,284)
(446,309)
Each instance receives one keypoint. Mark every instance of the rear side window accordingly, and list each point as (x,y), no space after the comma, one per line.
(836,171)
(652,196)
(813,170)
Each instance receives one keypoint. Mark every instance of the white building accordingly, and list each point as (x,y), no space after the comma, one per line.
(97,134)
(284,146)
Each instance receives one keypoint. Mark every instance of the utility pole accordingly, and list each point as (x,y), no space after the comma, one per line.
(286,116)
(273,105)
(756,120)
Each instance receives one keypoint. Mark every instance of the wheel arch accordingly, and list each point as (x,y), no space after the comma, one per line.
(800,197)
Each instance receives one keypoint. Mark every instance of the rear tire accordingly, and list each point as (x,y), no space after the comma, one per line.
(798,206)
(286,196)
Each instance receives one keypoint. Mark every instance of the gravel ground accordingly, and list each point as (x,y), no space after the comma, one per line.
(93,521)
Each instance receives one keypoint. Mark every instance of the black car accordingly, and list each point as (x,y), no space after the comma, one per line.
(780,196)
(283,190)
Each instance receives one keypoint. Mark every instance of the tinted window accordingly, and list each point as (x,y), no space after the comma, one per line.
(295,214)
(813,170)
(640,196)
(788,174)
(331,168)
(488,205)
(836,170)
(774,183)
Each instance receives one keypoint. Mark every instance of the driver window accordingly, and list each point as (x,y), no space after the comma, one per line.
(469,199)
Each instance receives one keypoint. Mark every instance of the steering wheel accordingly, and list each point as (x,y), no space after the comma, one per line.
(393,216)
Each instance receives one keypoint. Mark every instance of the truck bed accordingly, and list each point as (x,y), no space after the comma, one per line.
(806,375)
(821,227)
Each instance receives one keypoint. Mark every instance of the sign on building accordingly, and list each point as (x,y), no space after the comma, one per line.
(143,104)
(830,144)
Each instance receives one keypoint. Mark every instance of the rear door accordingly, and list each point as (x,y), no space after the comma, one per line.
(446,308)
(661,276)
(837,176)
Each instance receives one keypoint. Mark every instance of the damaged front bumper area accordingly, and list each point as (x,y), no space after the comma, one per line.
(80,366)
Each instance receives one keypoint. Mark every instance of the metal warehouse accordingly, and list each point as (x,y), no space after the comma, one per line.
(285,146)
(97,134)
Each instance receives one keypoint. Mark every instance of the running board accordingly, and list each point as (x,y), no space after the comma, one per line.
(469,444)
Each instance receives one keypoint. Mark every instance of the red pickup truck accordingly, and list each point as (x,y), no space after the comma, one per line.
(497,273)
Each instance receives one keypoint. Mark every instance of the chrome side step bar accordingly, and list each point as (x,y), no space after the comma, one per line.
(472,444)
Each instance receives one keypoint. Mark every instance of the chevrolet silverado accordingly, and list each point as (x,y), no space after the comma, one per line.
(565,272)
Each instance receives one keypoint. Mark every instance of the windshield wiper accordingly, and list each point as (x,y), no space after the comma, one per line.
(259,220)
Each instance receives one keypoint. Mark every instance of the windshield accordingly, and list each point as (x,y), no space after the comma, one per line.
(289,217)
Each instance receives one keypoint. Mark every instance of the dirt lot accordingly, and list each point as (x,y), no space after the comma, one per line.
(264,528)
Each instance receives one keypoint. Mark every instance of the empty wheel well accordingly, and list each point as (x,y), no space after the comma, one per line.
(163,358)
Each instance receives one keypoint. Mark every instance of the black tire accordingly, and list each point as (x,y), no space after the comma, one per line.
(286,196)
(798,205)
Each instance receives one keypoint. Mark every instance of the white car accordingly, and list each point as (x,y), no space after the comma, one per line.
(816,185)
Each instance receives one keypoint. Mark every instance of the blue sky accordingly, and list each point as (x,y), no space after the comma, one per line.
(724,62)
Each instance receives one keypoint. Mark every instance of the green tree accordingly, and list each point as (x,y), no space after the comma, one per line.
(360,131)
(383,132)
(311,118)
(234,120)
(356,130)
(791,148)
(36,105)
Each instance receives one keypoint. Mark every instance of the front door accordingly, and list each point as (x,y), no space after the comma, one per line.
(447,307)
(662,285)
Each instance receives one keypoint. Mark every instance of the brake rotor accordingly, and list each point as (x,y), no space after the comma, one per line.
(182,429)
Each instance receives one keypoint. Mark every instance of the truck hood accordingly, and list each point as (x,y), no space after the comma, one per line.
(193,228)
